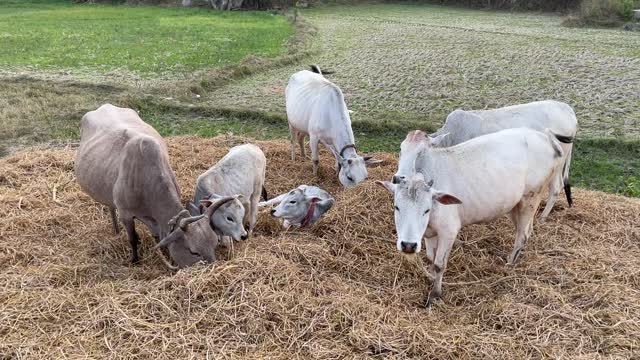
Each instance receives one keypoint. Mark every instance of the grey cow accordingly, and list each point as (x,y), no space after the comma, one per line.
(123,163)
(241,173)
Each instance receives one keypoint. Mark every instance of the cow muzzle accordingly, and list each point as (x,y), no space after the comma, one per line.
(408,247)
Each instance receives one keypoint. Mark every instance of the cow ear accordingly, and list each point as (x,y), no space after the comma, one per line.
(438,140)
(193,209)
(445,199)
(387,185)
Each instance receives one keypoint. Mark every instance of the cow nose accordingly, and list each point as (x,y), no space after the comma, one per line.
(244,237)
(408,248)
(273,211)
(396,179)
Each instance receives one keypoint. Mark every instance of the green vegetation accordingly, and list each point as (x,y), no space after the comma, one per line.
(423,62)
(142,39)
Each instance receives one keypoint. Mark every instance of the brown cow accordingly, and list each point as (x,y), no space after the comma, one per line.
(123,163)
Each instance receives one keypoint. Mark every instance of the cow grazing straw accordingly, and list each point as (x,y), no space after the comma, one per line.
(337,290)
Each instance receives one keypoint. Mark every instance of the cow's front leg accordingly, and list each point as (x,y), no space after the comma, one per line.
(313,144)
(445,243)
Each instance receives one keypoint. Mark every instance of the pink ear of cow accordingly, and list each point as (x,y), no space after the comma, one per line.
(446,199)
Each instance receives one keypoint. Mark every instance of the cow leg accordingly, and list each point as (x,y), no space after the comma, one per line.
(445,243)
(301,137)
(555,186)
(253,217)
(524,214)
(431,247)
(129,225)
(293,134)
(114,221)
(313,143)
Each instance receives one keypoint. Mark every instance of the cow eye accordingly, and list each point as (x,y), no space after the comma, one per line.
(194,253)
(229,219)
(426,211)
(292,202)
(349,161)
(397,209)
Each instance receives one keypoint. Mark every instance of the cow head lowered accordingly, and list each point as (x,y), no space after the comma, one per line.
(413,199)
(192,239)
(228,220)
(300,209)
(352,168)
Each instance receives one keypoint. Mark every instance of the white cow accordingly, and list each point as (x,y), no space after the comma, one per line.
(240,172)
(302,206)
(487,177)
(557,116)
(316,108)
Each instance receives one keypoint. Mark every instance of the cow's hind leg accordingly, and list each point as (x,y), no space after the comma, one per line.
(301,137)
(114,220)
(129,225)
(523,214)
(555,186)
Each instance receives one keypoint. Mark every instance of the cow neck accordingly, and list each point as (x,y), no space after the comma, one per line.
(349,149)
(307,218)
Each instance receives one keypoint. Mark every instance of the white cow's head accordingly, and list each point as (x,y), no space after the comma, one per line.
(228,221)
(352,168)
(413,200)
(413,146)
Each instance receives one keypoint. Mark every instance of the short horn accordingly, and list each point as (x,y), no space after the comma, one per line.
(212,209)
(186,221)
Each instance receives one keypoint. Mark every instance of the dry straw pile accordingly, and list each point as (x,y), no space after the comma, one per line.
(339,290)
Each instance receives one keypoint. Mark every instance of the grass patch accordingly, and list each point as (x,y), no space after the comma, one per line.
(142,39)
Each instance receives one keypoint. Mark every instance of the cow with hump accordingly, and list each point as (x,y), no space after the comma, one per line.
(316,108)
(463,125)
(123,163)
(439,190)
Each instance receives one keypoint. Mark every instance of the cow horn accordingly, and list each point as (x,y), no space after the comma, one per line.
(186,221)
(176,219)
(166,262)
(213,207)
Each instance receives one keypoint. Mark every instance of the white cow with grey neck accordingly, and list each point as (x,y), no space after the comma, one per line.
(462,125)
(476,181)
(316,108)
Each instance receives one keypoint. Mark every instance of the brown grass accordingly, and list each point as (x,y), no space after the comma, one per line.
(339,290)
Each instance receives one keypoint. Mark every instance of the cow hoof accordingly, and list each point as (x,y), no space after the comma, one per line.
(430,301)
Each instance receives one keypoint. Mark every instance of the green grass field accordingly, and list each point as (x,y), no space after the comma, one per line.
(147,40)
(401,67)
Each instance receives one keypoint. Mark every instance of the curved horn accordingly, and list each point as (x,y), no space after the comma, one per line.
(166,262)
(211,209)
(186,221)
